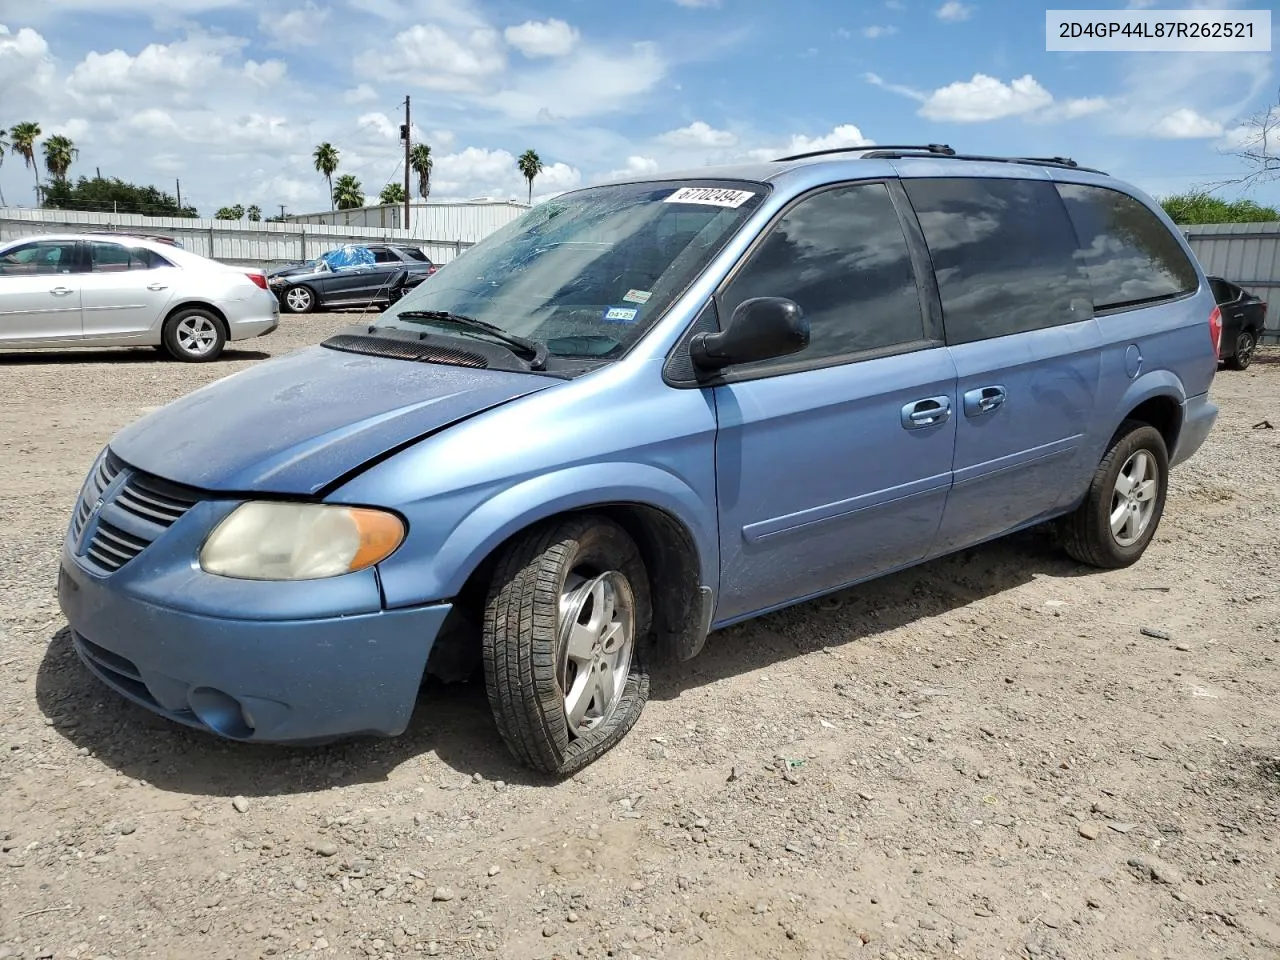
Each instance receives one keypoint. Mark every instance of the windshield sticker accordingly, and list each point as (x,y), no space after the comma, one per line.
(711,196)
(637,296)
(620,315)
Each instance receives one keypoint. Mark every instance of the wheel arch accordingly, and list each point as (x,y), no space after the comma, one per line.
(197,304)
(1156,399)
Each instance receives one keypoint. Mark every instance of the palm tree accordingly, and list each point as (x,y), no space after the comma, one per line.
(24,136)
(530,165)
(392,194)
(326,158)
(4,145)
(254,213)
(421,162)
(59,151)
(347,193)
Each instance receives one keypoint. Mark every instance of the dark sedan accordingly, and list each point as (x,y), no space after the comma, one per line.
(1244,318)
(361,276)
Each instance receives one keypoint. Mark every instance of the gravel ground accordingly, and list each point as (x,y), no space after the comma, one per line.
(982,757)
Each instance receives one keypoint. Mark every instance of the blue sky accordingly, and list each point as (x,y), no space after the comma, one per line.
(232,95)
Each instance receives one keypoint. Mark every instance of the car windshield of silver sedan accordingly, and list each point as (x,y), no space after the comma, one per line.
(586,273)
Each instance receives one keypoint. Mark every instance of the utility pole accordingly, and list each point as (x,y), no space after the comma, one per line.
(282,211)
(408,141)
(179,183)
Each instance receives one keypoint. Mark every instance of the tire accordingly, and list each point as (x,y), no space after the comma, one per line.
(1246,343)
(298,299)
(194,336)
(1088,534)
(550,578)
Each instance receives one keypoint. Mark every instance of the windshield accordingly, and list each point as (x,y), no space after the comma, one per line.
(589,272)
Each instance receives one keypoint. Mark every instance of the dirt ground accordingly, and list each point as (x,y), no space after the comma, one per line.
(984,757)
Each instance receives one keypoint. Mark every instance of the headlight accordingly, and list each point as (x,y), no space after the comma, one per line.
(299,541)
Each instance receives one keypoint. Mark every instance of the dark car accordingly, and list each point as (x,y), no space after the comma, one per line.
(356,276)
(1244,317)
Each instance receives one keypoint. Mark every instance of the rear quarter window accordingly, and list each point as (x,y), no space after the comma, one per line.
(1004,254)
(1131,257)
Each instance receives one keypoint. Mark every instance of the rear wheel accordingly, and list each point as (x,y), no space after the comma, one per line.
(194,336)
(1246,344)
(299,299)
(1125,502)
(566,618)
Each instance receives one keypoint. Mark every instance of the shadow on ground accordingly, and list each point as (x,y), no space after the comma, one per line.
(454,721)
(119,356)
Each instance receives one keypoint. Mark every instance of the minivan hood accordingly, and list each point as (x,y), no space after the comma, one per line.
(297,424)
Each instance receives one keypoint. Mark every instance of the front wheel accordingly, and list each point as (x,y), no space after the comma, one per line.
(565,626)
(195,336)
(299,300)
(1125,502)
(1246,343)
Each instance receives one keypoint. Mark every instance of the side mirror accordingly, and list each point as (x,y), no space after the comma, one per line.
(760,329)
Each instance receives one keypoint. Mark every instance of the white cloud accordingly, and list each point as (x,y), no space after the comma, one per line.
(380,125)
(876,32)
(635,167)
(698,134)
(844,135)
(550,38)
(362,93)
(475,172)
(954,11)
(304,26)
(1072,109)
(591,82)
(903,91)
(162,70)
(431,57)
(1186,124)
(985,98)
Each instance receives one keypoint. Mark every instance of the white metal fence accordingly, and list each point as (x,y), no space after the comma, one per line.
(242,242)
(1247,254)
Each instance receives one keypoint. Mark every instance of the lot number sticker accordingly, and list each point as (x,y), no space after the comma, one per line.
(711,196)
(637,296)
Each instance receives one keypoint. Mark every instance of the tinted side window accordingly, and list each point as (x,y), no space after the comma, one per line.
(1131,257)
(842,256)
(413,254)
(1004,255)
(383,255)
(1221,290)
(115,258)
(38,257)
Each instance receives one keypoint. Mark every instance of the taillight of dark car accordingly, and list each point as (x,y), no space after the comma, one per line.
(259,278)
(1215,331)
(433,268)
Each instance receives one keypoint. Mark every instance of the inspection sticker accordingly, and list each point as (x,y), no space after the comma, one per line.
(711,196)
(637,296)
(620,315)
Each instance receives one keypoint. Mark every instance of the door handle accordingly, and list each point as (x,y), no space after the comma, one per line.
(926,413)
(157,286)
(983,400)
(61,291)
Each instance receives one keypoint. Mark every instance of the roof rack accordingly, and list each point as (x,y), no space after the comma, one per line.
(1065,163)
(937,149)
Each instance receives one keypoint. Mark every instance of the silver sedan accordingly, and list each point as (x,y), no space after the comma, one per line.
(90,290)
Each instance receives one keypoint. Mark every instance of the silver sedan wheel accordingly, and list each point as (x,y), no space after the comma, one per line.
(597,640)
(196,335)
(1133,502)
(298,299)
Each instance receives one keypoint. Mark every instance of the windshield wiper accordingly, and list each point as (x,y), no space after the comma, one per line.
(538,350)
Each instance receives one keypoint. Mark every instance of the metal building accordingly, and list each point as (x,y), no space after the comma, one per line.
(1247,254)
(464,222)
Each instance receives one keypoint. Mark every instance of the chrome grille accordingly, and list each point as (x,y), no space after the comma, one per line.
(137,510)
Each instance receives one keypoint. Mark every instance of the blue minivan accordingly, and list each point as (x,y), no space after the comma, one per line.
(645,411)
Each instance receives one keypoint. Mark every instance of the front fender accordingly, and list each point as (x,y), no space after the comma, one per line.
(431,574)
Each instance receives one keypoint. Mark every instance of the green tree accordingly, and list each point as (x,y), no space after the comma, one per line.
(530,165)
(392,193)
(113,195)
(326,158)
(4,145)
(23,137)
(1201,207)
(230,213)
(254,213)
(421,162)
(347,193)
(59,152)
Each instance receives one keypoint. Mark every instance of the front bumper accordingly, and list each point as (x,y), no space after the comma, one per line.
(1198,418)
(274,681)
